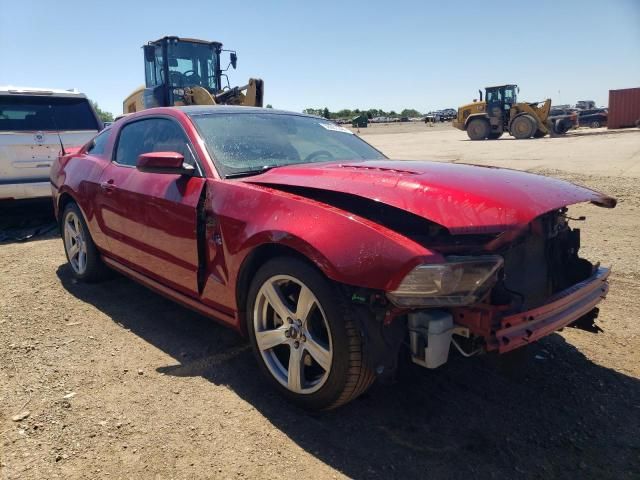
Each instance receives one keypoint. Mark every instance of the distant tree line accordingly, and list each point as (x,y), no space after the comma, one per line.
(104,115)
(371,113)
(321,112)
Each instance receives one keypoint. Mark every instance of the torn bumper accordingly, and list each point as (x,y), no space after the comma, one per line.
(562,309)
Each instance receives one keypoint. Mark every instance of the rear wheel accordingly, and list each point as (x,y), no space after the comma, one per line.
(595,124)
(523,127)
(478,129)
(82,254)
(304,336)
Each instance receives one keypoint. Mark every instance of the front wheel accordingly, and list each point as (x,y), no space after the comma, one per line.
(595,124)
(523,127)
(304,336)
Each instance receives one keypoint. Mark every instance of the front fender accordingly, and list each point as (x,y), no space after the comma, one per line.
(346,248)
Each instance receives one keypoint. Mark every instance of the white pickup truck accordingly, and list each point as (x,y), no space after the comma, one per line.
(33,123)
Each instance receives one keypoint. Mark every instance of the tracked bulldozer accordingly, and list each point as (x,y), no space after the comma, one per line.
(501,112)
(187,71)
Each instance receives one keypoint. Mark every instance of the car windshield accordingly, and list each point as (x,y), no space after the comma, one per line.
(248,143)
(32,113)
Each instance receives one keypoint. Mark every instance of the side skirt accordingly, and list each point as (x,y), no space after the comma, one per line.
(184,300)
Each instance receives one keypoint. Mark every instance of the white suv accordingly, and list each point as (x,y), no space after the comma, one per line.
(33,122)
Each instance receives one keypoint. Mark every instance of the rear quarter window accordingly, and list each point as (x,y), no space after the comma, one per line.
(34,113)
(98,145)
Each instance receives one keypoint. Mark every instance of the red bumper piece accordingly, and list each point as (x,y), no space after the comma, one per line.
(563,308)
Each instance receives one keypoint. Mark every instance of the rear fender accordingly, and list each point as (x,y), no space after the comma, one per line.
(474,116)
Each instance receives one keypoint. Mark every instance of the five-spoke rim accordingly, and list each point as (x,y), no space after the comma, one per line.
(74,243)
(292,333)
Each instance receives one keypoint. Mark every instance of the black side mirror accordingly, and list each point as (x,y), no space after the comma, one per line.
(149,52)
(234,59)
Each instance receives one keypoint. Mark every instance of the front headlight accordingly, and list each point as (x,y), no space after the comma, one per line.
(460,281)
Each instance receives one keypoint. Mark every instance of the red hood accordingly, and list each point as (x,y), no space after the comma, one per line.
(462,198)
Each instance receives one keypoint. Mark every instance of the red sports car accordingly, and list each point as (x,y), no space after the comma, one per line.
(328,255)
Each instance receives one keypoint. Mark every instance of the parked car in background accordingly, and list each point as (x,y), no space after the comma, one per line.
(33,124)
(446,115)
(585,104)
(329,256)
(593,118)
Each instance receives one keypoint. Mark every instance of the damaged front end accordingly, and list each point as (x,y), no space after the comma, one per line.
(500,267)
(504,295)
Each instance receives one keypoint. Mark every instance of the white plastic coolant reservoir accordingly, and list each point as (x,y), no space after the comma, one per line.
(432,331)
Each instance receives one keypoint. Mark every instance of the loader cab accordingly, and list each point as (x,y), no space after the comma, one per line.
(499,101)
(173,64)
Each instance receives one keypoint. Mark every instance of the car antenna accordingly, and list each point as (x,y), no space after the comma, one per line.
(55,124)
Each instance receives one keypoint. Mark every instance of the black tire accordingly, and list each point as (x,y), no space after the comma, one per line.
(478,129)
(94,269)
(495,135)
(539,134)
(562,126)
(350,374)
(523,126)
(595,124)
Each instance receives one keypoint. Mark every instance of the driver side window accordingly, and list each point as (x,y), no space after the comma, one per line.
(152,135)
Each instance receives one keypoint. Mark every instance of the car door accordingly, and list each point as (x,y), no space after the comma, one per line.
(150,219)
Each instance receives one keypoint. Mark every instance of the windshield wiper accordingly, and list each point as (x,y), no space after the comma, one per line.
(247,173)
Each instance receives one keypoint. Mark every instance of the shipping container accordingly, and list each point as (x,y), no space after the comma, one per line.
(624,108)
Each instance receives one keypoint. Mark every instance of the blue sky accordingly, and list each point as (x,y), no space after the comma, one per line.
(340,54)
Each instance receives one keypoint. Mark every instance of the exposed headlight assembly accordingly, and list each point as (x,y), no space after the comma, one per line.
(460,281)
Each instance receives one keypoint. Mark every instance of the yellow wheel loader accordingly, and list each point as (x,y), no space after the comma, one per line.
(187,71)
(501,112)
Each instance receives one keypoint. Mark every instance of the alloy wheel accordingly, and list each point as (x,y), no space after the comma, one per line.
(292,334)
(75,243)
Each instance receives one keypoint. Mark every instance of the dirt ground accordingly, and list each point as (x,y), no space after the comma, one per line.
(121,383)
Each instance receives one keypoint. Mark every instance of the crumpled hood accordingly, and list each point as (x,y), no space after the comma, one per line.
(462,198)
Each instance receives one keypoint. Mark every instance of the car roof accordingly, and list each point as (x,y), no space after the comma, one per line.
(195,110)
(54,92)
